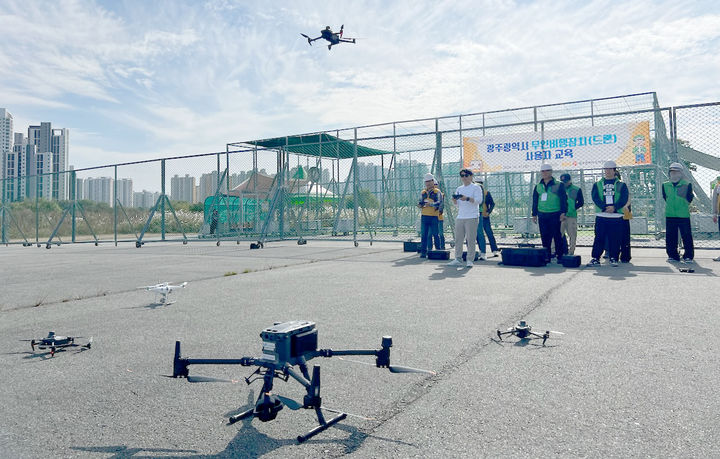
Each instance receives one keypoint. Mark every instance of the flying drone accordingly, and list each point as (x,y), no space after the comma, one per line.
(524,331)
(57,343)
(329,35)
(285,346)
(163,288)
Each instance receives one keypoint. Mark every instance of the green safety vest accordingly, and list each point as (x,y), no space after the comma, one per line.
(676,203)
(552,204)
(600,185)
(572,193)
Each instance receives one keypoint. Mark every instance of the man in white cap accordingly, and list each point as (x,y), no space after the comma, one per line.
(468,198)
(610,195)
(678,194)
(549,206)
(430,207)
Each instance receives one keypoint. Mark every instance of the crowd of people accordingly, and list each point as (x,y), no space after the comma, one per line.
(554,209)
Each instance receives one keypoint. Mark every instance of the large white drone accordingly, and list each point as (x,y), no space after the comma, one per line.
(163,288)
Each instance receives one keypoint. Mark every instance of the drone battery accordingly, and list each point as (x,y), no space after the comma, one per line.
(303,343)
(524,257)
(411,246)
(477,256)
(438,254)
(570,261)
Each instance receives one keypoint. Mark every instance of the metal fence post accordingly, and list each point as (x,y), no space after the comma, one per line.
(355,188)
(115,207)
(162,199)
(73,200)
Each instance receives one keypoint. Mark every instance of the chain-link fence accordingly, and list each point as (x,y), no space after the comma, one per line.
(363,184)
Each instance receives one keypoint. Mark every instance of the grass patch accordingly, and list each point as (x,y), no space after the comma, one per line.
(230,273)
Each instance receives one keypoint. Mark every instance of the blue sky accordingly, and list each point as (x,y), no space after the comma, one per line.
(141,79)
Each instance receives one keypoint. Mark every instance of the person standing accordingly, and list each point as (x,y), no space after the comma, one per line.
(716,204)
(468,198)
(549,206)
(213,221)
(678,194)
(610,195)
(575,200)
(487,208)
(440,236)
(429,204)
(480,233)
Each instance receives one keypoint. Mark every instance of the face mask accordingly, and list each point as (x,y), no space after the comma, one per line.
(675,176)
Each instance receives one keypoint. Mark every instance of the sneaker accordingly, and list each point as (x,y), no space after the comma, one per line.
(672,260)
(613,262)
(482,257)
(688,260)
(455,262)
(594,262)
(716,259)
(496,254)
(469,264)
(423,255)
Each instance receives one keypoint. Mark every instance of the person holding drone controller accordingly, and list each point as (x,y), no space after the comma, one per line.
(468,197)
(430,206)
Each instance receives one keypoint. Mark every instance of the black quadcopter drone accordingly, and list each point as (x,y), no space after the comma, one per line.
(286,345)
(524,331)
(57,343)
(330,36)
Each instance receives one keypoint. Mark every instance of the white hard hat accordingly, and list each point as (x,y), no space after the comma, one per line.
(609,165)
(429,177)
(676,167)
(545,167)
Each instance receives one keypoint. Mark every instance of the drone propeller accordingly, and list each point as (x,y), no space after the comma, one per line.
(308,39)
(397,369)
(556,332)
(290,403)
(349,414)
(201,379)
(394,368)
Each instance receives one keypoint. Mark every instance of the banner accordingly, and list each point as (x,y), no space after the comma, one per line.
(575,148)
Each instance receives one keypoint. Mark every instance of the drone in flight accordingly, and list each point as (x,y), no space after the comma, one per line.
(163,288)
(57,343)
(524,331)
(332,37)
(285,346)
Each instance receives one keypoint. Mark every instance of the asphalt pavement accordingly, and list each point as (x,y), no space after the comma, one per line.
(634,373)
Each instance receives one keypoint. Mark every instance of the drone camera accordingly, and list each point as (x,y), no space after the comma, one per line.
(267,407)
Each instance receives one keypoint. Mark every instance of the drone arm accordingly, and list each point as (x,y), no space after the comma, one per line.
(382,355)
(180,364)
(297,376)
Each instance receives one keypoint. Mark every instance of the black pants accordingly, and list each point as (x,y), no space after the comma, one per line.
(625,241)
(672,225)
(610,229)
(489,232)
(549,223)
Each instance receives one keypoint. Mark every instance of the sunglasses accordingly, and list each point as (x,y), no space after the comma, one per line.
(464,175)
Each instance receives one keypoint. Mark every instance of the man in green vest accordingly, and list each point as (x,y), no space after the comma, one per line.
(610,195)
(549,206)
(575,201)
(678,195)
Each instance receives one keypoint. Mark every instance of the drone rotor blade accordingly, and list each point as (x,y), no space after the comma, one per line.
(556,332)
(200,379)
(290,403)
(397,369)
(349,414)
(356,361)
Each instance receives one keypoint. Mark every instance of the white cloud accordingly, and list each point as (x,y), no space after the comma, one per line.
(190,77)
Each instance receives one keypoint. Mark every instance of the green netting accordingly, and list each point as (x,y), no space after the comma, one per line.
(319,145)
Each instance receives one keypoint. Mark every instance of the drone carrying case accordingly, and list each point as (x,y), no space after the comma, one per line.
(438,254)
(411,246)
(524,257)
(570,261)
(477,256)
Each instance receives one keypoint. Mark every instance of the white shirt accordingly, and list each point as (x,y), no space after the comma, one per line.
(467,209)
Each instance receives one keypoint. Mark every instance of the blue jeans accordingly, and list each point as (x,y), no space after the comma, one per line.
(480,235)
(440,236)
(428,230)
(490,235)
